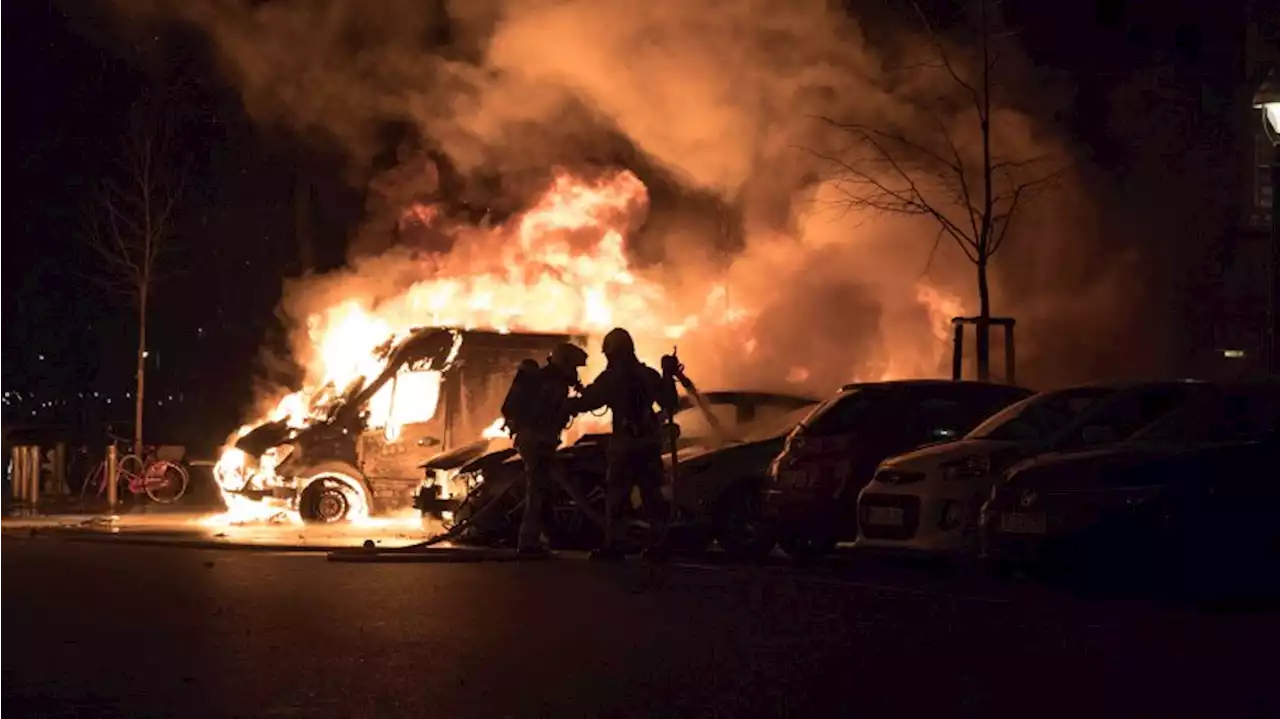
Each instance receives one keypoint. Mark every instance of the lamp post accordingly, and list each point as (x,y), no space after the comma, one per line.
(1267,101)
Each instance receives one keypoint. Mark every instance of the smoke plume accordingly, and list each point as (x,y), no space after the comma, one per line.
(713,105)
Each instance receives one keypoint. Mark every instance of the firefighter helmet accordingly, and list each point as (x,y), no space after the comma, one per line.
(618,343)
(568,356)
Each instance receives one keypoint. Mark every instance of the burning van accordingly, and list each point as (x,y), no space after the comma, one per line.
(362,453)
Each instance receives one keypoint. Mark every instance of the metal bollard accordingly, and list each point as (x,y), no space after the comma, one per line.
(24,475)
(15,472)
(59,483)
(34,466)
(112,477)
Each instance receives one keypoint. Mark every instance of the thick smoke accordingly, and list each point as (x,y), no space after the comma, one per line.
(713,102)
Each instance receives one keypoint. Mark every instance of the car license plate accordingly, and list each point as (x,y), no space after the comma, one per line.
(885,516)
(1019,523)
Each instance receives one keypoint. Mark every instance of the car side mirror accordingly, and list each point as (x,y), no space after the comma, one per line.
(1097,434)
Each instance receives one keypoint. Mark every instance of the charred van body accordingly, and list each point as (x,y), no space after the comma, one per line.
(439,390)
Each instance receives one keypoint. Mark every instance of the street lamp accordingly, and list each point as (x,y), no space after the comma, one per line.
(1267,102)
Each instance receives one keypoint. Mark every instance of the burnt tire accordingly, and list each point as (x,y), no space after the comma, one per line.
(331,496)
(740,527)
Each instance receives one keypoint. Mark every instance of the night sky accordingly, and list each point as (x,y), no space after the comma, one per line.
(69,98)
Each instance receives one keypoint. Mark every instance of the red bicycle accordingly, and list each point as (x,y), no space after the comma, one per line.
(163,481)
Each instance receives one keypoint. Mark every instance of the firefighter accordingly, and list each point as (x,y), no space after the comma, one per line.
(536,413)
(630,389)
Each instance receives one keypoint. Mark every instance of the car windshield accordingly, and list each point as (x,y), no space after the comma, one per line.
(1040,416)
(1233,416)
(736,423)
(840,413)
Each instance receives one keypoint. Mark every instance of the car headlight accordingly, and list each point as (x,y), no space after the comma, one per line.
(971,467)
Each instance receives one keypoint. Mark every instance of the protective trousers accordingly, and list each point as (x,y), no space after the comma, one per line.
(539,464)
(634,467)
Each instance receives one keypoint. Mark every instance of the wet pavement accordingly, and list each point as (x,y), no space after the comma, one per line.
(115,629)
(205,529)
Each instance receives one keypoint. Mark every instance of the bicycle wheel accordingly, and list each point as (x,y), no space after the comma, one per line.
(130,470)
(94,481)
(165,482)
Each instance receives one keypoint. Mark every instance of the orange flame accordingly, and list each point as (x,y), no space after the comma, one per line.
(559,267)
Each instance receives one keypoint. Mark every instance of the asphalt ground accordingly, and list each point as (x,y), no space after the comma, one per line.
(97,626)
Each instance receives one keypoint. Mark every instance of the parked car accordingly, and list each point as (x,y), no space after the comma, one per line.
(1196,489)
(811,498)
(928,500)
(724,450)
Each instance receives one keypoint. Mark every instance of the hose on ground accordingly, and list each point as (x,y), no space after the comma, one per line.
(486,510)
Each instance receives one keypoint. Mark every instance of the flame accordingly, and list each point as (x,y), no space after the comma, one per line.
(560,267)
(497,430)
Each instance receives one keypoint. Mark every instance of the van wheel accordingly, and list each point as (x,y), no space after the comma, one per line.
(740,527)
(798,547)
(329,498)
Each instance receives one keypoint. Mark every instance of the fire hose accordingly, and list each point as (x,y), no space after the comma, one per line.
(456,530)
(672,373)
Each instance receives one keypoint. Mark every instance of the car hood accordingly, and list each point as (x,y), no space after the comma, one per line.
(264,437)
(458,456)
(729,452)
(1085,468)
(926,458)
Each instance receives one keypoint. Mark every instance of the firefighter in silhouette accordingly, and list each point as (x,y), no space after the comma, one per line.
(536,413)
(630,389)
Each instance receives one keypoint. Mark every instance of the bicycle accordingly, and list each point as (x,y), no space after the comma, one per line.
(163,481)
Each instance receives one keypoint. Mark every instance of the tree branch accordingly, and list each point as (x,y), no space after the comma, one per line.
(129,221)
(1024,189)
(933,174)
(870,192)
(944,59)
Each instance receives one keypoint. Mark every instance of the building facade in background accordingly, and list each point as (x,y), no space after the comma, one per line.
(1246,297)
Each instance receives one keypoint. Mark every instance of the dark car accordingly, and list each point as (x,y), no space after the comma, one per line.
(724,449)
(1198,484)
(814,483)
(928,500)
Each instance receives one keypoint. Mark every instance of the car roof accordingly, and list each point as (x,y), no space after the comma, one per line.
(924,383)
(752,397)
(1123,385)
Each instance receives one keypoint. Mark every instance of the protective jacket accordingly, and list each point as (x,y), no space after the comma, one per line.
(536,408)
(630,389)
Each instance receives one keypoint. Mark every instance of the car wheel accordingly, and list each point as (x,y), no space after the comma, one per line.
(741,529)
(803,547)
(324,502)
(332,495)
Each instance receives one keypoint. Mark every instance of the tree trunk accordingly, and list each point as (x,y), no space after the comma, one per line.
(983,344)
(141,370)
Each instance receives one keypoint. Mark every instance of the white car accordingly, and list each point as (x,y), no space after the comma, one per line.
(929,500)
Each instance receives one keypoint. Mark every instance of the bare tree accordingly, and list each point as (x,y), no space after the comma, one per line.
(130,224)
(972,193)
